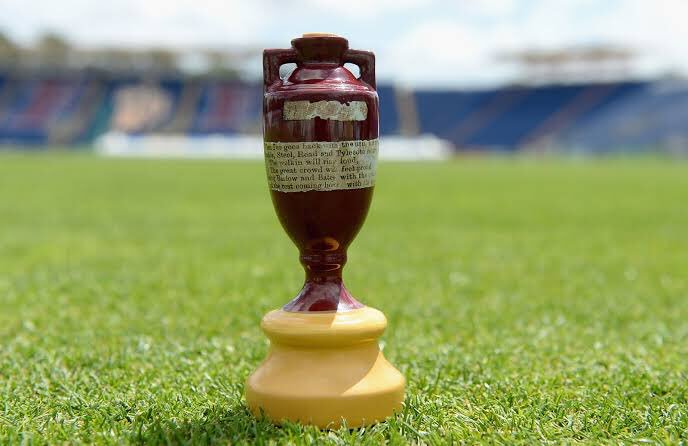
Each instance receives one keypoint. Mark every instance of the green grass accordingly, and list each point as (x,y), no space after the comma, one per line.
(527,301)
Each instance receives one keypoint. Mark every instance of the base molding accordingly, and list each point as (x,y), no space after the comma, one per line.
(324,368)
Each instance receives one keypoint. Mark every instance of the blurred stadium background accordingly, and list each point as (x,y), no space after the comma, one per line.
(146,101)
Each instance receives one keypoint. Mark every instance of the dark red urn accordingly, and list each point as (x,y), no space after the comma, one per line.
(321,143)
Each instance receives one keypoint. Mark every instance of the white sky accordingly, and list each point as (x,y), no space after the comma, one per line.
(417,42)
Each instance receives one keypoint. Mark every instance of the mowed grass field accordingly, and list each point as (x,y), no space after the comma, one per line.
(528,301)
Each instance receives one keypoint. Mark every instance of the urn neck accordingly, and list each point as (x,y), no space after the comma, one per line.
(324,289)
(323,266)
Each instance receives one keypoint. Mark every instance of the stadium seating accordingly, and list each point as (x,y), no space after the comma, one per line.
(524,109)
(31,109)
(227,108)
(442,112)
(514,117)
(44,109)
(389,114)
(646,116)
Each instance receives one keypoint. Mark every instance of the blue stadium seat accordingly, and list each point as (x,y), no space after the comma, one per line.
(389,114)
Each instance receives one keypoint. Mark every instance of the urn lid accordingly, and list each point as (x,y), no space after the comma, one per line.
(320,47)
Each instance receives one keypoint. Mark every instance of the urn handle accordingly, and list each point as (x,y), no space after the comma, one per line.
(273,60)
(365,61)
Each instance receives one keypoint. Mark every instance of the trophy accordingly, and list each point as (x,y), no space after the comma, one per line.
(321,126)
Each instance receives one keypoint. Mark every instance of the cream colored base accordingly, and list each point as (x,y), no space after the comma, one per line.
(324,368)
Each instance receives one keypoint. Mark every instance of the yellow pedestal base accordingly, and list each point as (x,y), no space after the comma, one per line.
(324,368)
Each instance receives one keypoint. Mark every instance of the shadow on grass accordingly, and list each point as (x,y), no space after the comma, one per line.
(236,425)
(217,425)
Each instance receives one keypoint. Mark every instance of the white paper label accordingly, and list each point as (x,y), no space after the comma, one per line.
(321,166)
(332,110)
